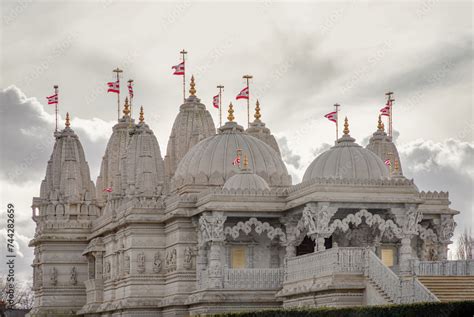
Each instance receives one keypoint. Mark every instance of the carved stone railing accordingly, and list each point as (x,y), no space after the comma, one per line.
(361,261)
(443,268)
(253,278)
(383,277)
(421,293)
(335,260)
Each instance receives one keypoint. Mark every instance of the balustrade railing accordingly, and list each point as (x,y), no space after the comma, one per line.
(444,268)
(256,278)
(357,261)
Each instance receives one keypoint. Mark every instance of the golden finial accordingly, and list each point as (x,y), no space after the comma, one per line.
(230,117)
(380,126)
(257,111)
(346,127)
(141,118)
(246,161)
(126,110)
(192,90)
(68,123)
(396,166)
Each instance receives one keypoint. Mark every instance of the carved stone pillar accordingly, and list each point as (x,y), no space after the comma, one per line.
(445,232)
(215,265)
(99,264)
(316,218)
(91,266)
(409,223)
(290,251)
(211,231)
(405,255)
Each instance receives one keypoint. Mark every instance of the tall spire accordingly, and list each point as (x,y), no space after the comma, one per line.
(192,90)
(231,117)
(346,127)
(126,110)
(257,115)
(68,123)
(141,118)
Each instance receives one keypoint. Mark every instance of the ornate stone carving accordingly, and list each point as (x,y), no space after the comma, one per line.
(260,227)
(39,277)
(73,276)
(316,219)
(141,262)
(410,224)
(170,260)
(157,263)
(54,276)
(212,227)
(446,229)
(188,258)
(107,269)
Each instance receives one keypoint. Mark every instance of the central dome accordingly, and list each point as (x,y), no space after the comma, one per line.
(209,162)
(347,160)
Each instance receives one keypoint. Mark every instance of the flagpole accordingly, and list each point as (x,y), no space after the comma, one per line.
(56,105)
(220,104)
(337,120)
(183,53)
(389,101)
(130,81)
(118,71)
(247,78)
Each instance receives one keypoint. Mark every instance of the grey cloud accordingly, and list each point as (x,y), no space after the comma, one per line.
(320,149)
(27,138)
(287,154)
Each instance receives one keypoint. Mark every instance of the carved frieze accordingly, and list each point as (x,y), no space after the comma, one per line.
(157,263)
(141,263)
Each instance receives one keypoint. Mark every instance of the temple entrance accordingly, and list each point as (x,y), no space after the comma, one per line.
(306,246)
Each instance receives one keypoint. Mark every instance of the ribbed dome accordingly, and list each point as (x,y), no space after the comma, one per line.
(143,168)
(192,124)
(67,174)
(209,163)
(246,180)
(111,166)
(382,145)
(347,160)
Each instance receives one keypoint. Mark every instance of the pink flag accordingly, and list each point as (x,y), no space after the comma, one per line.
(178,69)
(332,116)
(215,101)
(388,163)
(243,94)
(114,86)
(52,99)
(385,111)
(108,189)
(236,161)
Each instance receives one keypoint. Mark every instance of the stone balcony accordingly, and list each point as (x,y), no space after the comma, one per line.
(253,279)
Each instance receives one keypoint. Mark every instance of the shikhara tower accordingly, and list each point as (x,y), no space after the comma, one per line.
(194,235)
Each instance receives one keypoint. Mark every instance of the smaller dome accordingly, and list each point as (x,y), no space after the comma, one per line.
(347,160)
(246,180)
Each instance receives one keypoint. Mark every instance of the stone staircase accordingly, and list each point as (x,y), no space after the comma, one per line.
(450,288)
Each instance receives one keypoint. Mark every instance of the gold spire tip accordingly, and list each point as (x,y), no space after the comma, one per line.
(257,111)
(126,110)
(68,123)
(380,125)
(246,161)
(231,117)
(141,118)
(192,90)
(346,127)
(396,165)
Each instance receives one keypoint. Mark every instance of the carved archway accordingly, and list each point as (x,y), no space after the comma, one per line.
(259,228)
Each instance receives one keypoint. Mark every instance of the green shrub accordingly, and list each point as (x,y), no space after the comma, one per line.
(449,309)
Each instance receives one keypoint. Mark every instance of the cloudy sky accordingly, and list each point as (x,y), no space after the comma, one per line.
(304,58)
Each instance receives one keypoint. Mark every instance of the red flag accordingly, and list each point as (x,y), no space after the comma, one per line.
(243,94)
(387,162)
(178,69)
(215,101)
(236,161)
(52,99)
(130,89)
(114,86)
(385,111)
(108,189)
(332,116)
